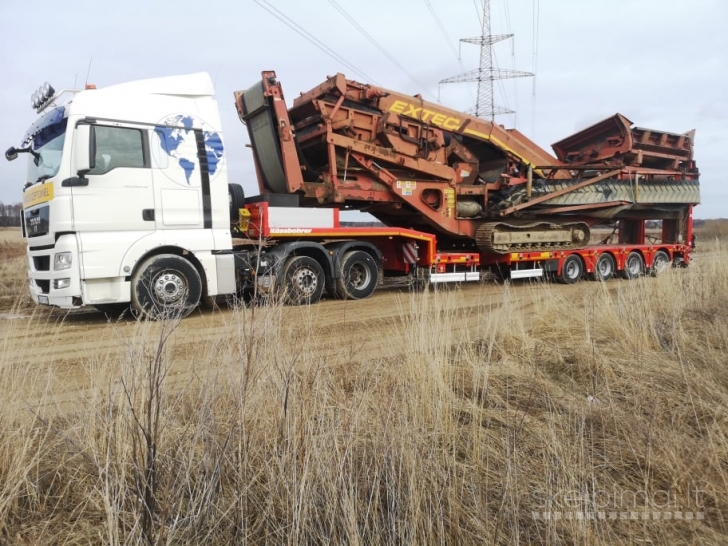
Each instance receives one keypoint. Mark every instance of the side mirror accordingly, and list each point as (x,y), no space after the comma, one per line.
(84,149)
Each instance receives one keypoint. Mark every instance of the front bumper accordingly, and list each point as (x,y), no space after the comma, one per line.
(47,286)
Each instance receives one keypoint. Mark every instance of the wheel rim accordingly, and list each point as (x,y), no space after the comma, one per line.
(605,268)
(633,265)
(359,275)
(660,264)
(169,288)
(572,269)
(305,280)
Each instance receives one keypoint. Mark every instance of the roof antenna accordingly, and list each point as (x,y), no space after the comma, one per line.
(88,72)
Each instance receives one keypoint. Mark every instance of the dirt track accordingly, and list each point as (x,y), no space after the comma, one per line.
(65,349)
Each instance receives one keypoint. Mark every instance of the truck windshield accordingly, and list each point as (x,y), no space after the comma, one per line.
(47,145)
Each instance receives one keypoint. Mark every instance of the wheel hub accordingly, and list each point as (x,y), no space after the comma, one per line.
(169,288)
(306,281)
(634,266)
(359,276)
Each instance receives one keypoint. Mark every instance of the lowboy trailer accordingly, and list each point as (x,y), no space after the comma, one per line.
(127,201)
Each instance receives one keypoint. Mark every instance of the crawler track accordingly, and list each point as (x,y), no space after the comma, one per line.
(505,237)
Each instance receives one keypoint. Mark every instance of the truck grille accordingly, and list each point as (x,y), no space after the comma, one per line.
(42,263)
(36,221)
(43,284)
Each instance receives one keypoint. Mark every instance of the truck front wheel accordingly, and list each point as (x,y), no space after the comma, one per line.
(165,286)
(358,275)
(303,280)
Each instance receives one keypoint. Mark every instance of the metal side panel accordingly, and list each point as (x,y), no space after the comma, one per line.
(225,266)
(439,278)
(264,139)
(526,273)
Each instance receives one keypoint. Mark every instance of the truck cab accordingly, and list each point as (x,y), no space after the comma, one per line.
(126,196)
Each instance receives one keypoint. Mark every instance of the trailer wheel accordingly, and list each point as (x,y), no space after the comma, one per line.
(165,286)
(303,280)
(604,268)
(660,263)
(572,270)
(634,266)
(358,275)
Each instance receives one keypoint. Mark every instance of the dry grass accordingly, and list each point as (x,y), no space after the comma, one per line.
(13,271)
(711,232)
(611,408)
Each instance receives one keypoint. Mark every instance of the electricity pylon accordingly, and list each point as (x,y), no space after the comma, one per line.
(486,73)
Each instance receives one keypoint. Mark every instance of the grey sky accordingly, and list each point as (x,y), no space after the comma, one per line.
(661,63)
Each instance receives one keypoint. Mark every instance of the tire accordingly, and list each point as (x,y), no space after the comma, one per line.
(604,268)
(236,198)
(634,266)
(358,276)
(165,286)
(572,270)
(660,262)
(303,280)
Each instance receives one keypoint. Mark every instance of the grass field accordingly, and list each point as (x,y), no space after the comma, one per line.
(598,420)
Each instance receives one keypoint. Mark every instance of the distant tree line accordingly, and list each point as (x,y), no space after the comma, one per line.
(10,214)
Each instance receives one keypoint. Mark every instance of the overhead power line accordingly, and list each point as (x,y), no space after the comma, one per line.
(290,23)
(449,40)
(442,28)
(477,11)
(536,24)
(375,43)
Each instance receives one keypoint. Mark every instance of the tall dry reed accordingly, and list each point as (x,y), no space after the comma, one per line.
(549,415)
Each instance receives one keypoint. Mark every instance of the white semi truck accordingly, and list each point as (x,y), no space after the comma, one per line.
(126,196)
(127,201)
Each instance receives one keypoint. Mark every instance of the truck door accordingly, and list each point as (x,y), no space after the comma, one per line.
(181,179)
(115,208)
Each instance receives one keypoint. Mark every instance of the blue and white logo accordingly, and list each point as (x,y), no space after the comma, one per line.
(178,140)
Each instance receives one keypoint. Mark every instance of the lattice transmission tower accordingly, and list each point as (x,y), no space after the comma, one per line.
(486,73)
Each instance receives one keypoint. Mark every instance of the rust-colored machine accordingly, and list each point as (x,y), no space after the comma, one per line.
(480,187)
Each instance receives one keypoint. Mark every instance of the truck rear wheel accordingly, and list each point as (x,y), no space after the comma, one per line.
(358,276)
(572,270)
(604,268)
(303,280)
(165,286)
(634,266)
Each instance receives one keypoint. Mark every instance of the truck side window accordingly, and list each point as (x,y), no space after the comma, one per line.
(117,147)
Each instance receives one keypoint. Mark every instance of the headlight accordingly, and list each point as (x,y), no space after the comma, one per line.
(61,283)
(62,260)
